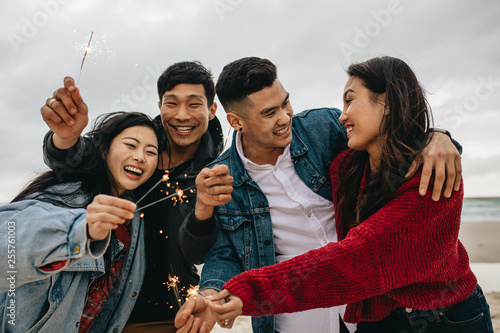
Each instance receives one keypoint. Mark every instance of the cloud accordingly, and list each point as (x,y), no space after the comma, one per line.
(450,45)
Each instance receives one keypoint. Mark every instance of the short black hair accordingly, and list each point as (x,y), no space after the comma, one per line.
(192,72)
(244,77)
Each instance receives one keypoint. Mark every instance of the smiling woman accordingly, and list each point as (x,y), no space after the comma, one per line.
(132,157)
(80,241)
(398,263)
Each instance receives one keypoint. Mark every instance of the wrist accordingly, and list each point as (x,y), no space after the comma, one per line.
(208,292)
(440,130)
(63,143)
(203,212)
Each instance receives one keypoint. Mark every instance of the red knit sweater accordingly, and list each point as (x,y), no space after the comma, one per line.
(405,255)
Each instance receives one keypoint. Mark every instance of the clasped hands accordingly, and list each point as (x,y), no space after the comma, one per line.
(201,312)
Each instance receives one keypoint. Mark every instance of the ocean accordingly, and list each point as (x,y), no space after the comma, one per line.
(481,210)
(478,210)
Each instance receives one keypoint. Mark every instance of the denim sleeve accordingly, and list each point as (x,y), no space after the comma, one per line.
(80,157)
(221,263)
(35,234)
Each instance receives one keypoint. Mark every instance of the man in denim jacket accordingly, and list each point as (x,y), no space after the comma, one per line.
(281,200)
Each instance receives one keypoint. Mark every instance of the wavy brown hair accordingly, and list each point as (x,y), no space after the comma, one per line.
(402,135)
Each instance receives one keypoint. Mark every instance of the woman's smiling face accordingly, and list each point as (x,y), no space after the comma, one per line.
(362,116)
(132,158)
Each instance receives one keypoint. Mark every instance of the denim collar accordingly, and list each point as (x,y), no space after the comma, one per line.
(237,169)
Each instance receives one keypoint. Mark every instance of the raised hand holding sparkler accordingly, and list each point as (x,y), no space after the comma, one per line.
(66,114)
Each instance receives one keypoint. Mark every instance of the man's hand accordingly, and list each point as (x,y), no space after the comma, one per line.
(213,188)
(106,213)
(194,315)
(442,157)
(66,114)
(225,312)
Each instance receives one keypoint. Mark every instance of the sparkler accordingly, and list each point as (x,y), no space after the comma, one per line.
(173,280)
(227,138)
(179,193)
(163,179)
(194,291)
(84,56)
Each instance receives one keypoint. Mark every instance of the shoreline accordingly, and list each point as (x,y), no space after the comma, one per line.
(481,241)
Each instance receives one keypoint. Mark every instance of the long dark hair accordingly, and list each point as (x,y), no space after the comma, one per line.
(402,135)
(95,178)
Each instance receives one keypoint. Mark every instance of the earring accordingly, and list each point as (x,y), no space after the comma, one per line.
(240,129)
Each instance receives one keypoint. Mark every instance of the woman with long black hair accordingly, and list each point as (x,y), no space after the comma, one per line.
(398,264)
(74,245)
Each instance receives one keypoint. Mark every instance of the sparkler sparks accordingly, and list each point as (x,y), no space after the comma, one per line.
(172,284)
(178,194)
(84,56)
(173,280)
(164,178)
(194,291)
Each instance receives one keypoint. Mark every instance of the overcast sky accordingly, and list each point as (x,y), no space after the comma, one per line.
(453,46)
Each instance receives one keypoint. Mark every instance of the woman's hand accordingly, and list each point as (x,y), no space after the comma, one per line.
(66,114)
(106,213)
(225,312)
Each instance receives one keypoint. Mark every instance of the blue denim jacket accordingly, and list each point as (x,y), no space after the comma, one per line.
(245,234)
(35,233)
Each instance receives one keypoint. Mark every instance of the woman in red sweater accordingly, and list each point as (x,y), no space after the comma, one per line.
(398,263)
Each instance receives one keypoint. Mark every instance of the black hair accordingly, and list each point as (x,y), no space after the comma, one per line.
(192,72)
(402,135)
(95,178)
(242,78)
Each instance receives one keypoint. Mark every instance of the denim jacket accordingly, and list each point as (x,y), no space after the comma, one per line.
(36,233)
(245,234)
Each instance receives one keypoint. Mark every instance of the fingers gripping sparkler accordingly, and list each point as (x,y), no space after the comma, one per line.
(84,56)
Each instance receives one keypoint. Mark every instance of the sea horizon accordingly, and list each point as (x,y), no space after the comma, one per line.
(474,210)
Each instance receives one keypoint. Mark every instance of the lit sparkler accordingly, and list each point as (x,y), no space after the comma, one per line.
(173,280)
(178,194)
(179,197)
(84,56)
(163,179)
(194,291)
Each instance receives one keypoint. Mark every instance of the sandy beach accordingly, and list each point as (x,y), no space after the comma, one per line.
(481,239)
